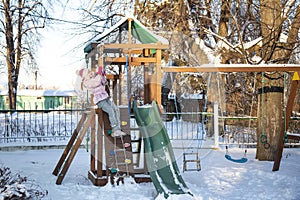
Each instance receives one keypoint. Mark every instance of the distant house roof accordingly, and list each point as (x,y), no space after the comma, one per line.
(42,93)
(138,30)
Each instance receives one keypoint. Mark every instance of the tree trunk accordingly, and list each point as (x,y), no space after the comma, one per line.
(224,18)
(270,94)
(270,116)
(10,56)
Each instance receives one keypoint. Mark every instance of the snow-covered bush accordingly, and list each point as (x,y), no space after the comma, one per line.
(15,187)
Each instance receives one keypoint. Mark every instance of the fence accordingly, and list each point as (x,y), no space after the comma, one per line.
(26,127)
(30,126)
(198,130)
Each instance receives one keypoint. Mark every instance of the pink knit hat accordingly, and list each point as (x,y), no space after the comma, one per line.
(82,72)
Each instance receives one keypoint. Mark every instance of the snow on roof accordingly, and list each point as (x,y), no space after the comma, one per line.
(42,93)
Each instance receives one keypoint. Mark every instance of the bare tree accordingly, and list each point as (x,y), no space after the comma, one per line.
(98,16)
(19,24)
(250,32)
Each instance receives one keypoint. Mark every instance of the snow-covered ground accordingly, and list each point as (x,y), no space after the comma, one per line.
(218,178)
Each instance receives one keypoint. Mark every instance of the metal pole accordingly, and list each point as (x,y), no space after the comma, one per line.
(216,125)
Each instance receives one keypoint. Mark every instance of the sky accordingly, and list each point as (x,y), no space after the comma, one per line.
(56,61)
(57,65)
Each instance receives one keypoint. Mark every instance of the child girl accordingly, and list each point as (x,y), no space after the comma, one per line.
(95,84)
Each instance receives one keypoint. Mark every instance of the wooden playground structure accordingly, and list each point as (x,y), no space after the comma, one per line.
(114,157)
(115,153)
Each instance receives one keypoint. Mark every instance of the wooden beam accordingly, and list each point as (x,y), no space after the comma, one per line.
(134,51)
(123,63)
(112,51)
(114,59)
(144,59)
(293,136)
(135,46)
(234,68)
(146,52)
(132,60)
(290,102)
(158,77)
(112,76)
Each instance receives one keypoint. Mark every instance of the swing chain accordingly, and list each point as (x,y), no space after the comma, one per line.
(264,140)
(285,138)
(263,137)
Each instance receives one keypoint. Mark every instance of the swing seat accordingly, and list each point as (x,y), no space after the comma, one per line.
(242,160)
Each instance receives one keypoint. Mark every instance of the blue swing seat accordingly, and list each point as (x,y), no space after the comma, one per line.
(242,160)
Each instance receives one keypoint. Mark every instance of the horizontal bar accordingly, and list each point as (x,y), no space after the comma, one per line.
(235,68)
(40,110)
(134,46)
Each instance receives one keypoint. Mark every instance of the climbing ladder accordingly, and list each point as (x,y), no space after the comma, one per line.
(188,158)
(118,153)
(121,159)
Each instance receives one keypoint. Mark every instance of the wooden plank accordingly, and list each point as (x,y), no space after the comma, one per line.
(144,59)
(74,149)
(133,59)
(234,68)
(100,144)
(121,63)
(146,52)
(69,145)
(93,151)
(158,74)
(134,51)
(112,76)
(112,50)
(93,133)
(114,59)
(294,136)
(136,46)
(293,90)
(96,180)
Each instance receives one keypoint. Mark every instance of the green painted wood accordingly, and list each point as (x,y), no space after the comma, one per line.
(160,157)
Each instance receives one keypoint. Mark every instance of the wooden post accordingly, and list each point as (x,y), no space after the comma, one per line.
(69,145)
(96,174)
(115,89)
(100,144)
(158,77)
(293,90)
(74,149)
(93,151)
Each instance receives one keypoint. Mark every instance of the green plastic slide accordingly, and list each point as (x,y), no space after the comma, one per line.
(159,153)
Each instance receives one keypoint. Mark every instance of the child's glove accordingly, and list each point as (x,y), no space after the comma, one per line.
(101,71)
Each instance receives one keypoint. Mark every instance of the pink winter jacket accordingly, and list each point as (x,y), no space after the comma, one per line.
(96,86)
